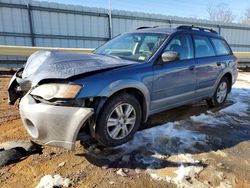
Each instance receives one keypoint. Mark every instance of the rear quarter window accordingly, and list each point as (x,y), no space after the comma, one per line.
(221,47)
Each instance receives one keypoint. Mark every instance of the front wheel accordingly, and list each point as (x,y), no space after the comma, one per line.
(119,120)
(220,94)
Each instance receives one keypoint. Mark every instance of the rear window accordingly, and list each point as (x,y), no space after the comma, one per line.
(221,47)
(203,47)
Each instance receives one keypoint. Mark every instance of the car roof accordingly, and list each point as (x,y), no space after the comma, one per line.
(183,28)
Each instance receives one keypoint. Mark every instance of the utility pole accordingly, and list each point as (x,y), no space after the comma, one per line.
(110,19)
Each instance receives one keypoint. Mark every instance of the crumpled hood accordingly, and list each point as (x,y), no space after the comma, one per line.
(61,65)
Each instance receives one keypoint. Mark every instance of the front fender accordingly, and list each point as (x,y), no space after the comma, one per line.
(125,84)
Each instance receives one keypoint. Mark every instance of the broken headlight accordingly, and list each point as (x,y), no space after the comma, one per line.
(59,91)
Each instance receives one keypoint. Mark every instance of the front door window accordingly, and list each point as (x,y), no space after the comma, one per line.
(182,44)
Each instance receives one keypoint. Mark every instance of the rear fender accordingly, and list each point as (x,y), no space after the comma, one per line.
(225,71)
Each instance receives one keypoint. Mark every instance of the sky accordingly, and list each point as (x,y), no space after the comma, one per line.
(182,8)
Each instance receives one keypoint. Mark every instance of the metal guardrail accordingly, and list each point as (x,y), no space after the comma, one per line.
(26,51)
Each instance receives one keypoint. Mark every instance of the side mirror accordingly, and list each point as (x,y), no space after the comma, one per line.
(170,56)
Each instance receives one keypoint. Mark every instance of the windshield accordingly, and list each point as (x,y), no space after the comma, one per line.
(132,46)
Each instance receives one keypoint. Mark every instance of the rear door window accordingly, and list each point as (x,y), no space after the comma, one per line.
(203,47)
(221,47)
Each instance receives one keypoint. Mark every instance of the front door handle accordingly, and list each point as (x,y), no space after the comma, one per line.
(192,67)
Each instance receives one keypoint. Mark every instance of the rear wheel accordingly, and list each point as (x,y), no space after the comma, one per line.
(119,120)
(220,94)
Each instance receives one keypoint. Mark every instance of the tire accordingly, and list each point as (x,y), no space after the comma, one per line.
(217,99)
(114,128)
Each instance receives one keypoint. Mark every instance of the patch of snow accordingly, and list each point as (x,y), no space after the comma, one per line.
(241,85)
(155,176)
(237,108)
(164,138)
(186,172)
(181,174)
(243,81)
(121,173)
(49,181)
(207,119)
(159,156)
(180,180)
(240,94)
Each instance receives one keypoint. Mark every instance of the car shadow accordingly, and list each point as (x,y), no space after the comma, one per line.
(225,131)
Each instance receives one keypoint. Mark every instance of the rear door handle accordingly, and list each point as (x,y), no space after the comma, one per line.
(192,67)
(218,63)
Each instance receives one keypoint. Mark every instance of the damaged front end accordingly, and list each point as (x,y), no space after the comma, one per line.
(57,65)
(18,87)
(52,115)
(53,125)
(49,107)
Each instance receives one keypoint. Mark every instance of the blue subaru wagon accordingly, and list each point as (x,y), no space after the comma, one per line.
(116,88)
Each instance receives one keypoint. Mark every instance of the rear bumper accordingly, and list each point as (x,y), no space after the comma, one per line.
(234,76)
(53,125)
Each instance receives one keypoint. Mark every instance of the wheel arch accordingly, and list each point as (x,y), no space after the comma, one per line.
(226,73)
(133,87)
(228,76)
(139,96)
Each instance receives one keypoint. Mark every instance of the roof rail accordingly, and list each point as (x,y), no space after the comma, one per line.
(192,27)
(144,27)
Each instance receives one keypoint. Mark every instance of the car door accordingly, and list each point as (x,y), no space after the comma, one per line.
(174,82)
(208,66)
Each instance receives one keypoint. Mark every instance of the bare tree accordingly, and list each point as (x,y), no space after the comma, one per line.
(246,18)
(220,12)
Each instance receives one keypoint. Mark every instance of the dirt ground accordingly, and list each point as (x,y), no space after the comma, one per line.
(222,160)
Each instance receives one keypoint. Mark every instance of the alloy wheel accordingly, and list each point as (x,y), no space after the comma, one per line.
(121,121)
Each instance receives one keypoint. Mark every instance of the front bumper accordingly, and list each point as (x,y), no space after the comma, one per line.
(53,125)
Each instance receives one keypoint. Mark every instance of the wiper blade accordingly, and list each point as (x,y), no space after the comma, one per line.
(114,56)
